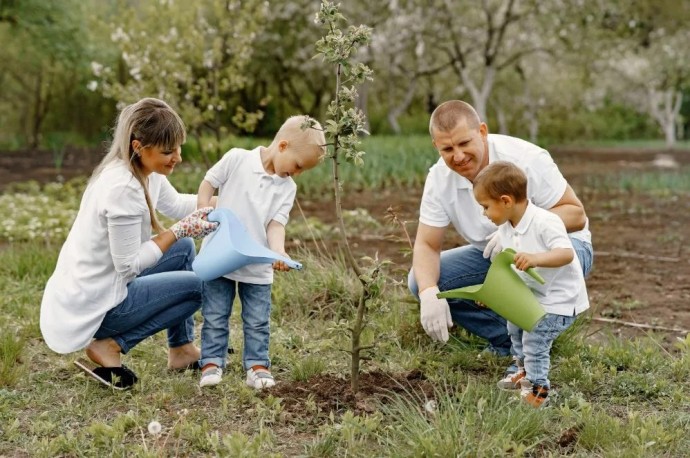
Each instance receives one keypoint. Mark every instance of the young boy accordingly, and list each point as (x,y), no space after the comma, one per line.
(541,241)
(257,186)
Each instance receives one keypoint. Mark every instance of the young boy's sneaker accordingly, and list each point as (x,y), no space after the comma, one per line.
(259,377)
(511,381)
(211,376)
(525,387)
(538,397)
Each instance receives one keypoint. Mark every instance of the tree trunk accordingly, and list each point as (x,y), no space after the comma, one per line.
(480,95)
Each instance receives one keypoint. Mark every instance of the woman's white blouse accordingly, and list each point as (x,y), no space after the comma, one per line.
(108,246)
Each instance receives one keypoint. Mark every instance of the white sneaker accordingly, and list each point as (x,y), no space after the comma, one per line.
(211,376)
(260,378)
(512,381)
(525,387)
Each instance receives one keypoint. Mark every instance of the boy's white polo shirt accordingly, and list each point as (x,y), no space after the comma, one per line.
(449,199)
(539,230)
(256,198)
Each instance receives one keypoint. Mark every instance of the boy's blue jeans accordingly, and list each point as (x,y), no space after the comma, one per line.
(218,297)
(465,266)
(532,349)
(164,296)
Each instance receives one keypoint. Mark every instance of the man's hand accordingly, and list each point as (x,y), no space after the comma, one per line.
(493,247)
(435,314)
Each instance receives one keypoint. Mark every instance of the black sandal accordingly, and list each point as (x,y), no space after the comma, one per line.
(118,378)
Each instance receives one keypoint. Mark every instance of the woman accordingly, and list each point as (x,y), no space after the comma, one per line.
(114,285)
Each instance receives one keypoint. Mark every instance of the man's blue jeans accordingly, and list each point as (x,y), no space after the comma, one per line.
(164,296)
(465,266)
(218,298)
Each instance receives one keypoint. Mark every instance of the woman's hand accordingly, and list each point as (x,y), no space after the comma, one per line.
(194,225)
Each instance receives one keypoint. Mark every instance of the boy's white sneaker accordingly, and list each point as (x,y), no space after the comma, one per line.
(211,376)
(260,378)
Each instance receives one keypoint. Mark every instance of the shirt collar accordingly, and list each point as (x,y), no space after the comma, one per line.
(527,218)
(257,165)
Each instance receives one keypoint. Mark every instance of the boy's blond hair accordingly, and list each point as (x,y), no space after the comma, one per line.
(299,139)
(447,115)
(502,178)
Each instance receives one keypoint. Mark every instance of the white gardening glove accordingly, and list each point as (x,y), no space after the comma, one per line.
(435,314)
(194,225)
(493,247)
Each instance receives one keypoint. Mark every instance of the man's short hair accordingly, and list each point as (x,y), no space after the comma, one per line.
(447,115)
(502,178)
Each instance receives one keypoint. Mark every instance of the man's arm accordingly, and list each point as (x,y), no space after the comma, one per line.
(570,210)
(426,256)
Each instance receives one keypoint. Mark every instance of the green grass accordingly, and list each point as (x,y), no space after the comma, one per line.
(390,161)
(622,398)
(643,144)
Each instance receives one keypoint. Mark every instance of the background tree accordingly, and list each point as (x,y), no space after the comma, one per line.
(194,55)
(44,66)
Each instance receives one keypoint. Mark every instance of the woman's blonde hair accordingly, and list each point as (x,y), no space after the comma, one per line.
(153,123)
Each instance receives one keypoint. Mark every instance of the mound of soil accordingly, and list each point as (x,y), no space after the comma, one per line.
(327,393)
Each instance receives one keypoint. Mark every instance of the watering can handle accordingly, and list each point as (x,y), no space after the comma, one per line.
(531,271)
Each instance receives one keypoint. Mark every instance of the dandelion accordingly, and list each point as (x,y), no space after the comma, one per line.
(155,428)
(430,407)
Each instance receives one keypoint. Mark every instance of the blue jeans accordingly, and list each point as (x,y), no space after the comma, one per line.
(163,296)
(531,349)
(218,297)
(465,266)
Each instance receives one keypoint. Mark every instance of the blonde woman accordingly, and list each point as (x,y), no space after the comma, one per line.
(115,283)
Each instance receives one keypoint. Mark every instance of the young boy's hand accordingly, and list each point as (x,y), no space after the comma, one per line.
(280,265)
(524,261)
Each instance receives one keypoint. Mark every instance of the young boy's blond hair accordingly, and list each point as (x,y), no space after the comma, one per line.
(301,139)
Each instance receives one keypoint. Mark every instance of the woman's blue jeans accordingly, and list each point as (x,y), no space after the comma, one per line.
(218,298)
(465,266)
(163,296)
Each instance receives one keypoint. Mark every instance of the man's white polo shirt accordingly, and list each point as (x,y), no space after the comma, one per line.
(449,199)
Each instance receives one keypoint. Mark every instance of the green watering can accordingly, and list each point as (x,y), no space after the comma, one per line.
(504,292)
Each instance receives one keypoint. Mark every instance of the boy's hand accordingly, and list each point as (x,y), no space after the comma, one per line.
(280,265)
(524,261)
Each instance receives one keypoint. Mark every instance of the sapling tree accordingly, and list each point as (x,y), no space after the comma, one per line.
(343,127)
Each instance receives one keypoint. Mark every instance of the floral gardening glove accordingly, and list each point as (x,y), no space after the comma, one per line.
(194,225)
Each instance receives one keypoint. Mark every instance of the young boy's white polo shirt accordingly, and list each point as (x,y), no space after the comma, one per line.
(449,199)
(256,198)
(539,230)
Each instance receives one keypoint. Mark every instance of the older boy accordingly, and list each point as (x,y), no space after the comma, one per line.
(257,186)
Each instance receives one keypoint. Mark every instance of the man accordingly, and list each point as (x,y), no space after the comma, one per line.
(466,147)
